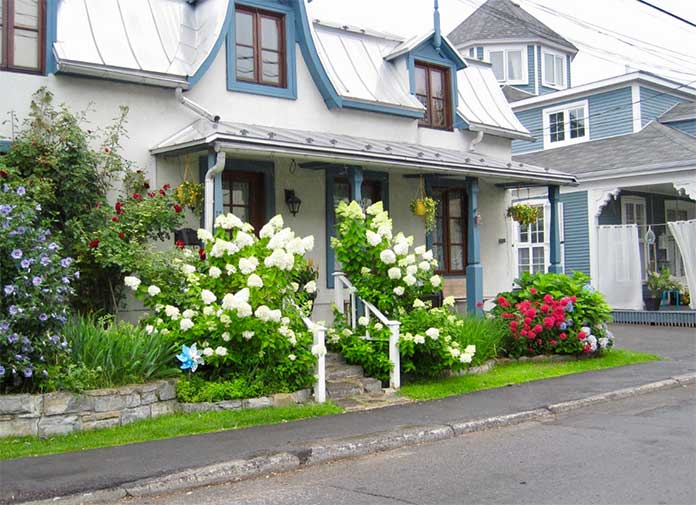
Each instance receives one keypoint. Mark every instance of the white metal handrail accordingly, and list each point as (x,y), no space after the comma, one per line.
(319,342)
(341,282)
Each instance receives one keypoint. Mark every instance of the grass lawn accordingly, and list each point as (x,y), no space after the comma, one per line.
(169,426)
(517,373)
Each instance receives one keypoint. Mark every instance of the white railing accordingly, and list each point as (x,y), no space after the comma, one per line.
(341,284)
(319,334)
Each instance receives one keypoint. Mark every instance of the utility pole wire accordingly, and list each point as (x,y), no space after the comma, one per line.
(665,11)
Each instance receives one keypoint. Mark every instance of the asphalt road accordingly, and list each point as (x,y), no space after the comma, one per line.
(639,450)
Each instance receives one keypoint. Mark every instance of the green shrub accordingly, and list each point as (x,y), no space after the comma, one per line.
(196,389)
(120,353)
(554,314)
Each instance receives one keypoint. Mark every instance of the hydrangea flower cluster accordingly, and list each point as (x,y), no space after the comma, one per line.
(36,285)
(381,265)
(239,315)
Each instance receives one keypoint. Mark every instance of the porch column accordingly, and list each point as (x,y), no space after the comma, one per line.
(356,179)
(474,270)
(554,233)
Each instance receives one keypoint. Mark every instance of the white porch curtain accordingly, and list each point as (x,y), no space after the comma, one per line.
(619,273)
(684,233)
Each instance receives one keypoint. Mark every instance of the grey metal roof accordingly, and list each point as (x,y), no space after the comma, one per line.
(324,146)
(159,37)
(680,112)
(513,94)
(504,20)
(655,146)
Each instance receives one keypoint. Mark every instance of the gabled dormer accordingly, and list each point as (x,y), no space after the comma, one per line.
(524,53)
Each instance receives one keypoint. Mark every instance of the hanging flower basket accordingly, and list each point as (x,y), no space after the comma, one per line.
(525,214)
(418,207)
(424,206)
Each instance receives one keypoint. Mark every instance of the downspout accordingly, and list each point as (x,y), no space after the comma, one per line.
(476,140)
(209,197)
(197,108)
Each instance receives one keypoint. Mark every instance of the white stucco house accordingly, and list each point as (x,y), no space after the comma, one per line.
(261,101)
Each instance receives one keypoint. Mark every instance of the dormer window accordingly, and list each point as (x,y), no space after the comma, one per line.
(566,124)
(21,35)
(554,70)
(508,64)
(260,47)
(433,91)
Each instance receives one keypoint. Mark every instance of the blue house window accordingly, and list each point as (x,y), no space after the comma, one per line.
(261,49)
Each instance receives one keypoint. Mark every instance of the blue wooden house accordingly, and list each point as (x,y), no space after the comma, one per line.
(628,139)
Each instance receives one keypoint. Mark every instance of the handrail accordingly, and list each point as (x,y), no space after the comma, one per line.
(319,343)
(394,326)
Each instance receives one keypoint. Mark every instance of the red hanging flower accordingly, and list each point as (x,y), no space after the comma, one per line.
(94,244)
(177,208)
(166,187)
(107,150)
(119,208)
(4,174)
(533,291)
(201,253)
(180,244)
(98,204)
(162,192)
(137,196)
(122,235)
(115,219)
(479,304)
(151,194)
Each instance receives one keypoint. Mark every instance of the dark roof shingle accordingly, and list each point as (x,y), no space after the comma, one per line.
(654,145)
(504,19)
(680,112)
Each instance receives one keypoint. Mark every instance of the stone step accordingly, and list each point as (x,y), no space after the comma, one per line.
(369,401)
(336,371)
(336,389)
(334,357)
(371,385)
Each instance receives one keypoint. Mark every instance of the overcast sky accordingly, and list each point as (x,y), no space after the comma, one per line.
(600,55)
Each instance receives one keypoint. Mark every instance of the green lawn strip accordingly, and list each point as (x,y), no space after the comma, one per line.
(517,373)
(169,426)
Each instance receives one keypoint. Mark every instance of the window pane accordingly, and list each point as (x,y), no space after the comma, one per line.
(498,64)
(524,233)
(455,205)
(27,14)
(436,84)
(438,113)
(421,85)
(371,192)
(537,259)
(242,213)
(439,255)
(245,63)
(244,25)
(341,192)
(456,231)
(269,34)
(456,257)
(556,127)
(26,48)
(240,193)
(549,72)
(514,65)
(270,67)
(577,122)
(523,260)
(559,71)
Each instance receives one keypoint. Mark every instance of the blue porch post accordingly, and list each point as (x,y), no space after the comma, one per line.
(217,198)
(474,269)
(554,235)
(356,179)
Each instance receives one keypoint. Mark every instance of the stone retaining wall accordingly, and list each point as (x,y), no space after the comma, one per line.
(60,413)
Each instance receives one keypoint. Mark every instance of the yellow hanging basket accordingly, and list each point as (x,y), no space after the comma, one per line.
(419,208)
(424,206)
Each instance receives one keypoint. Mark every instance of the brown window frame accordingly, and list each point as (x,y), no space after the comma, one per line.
(447,243)
(7,28)
(256,206)
(427,119)
(258,15)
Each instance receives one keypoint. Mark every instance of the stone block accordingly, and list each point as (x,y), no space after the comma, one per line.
(65,403)
(283,399)
(148,397)
(15,427)
(167,390)
(164,408)
(131,399)
(103,423)
(58,425)
(192,408)
(258,403)
(230,405)
(101,416)
(105,403)
(302,396)
(135,414)
(29,405)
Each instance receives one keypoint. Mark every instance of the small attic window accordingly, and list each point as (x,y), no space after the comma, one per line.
(509,64)
(21,36)
(433,91)
(260,46)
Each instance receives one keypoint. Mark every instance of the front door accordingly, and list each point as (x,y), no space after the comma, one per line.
(243,195)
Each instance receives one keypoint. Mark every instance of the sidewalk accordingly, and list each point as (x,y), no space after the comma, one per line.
(66,474)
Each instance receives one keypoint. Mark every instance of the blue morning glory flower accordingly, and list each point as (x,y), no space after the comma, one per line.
(43,317)
(190,358)
(2,371)
(26,263)
(21,191)
(66,262)
(9,289)
(52,246)
(36,281)
(570,307)
(16,254)
(28,372)
(563,326)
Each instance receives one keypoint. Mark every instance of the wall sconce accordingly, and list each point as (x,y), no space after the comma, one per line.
(478,220)
(292,201)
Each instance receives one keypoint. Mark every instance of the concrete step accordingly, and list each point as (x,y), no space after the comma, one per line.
(336,371)
(333,358)
(336,389)
(370,401)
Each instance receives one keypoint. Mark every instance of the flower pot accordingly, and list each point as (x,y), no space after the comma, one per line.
(652,303)
(419,208)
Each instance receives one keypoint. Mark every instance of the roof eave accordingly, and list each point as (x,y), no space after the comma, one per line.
(500,132)
(122,74)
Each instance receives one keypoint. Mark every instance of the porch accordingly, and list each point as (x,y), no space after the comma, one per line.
(257,172)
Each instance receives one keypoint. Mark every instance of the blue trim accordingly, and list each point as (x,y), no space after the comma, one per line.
(383,109)
(554,232)
(330,178)
(51,31)
(227,23)
(474,269)
(289,92)
(5,145)
(217,191)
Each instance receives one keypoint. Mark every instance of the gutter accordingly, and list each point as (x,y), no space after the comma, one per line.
(209,197)
(121,74)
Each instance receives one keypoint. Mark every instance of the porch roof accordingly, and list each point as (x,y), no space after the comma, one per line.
(329,147)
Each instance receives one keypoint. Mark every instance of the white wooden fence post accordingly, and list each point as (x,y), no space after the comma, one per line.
(394,334)
(320,369)
(338,293)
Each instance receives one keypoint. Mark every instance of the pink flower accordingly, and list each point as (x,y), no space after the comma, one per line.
(581,335)
(533,291)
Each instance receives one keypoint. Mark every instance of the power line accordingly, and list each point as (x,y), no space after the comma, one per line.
(665,11)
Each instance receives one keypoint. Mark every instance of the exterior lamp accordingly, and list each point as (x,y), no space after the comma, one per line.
(292,201)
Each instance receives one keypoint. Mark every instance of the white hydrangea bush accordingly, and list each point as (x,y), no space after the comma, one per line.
(240,305)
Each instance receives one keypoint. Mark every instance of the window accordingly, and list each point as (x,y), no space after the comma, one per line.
(21,35)
(433,91)
(243,195)
(508,64)
(260,47)
(449,233)
(566,125)
(554,70)
(533,242)
(633,211)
